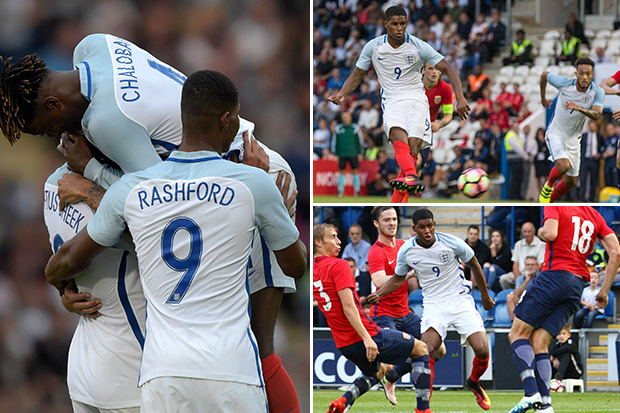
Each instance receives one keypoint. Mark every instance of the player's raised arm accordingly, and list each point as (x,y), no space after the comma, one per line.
(476,269)
(608,84)
(72,257)
(612,247)
(352,82)
(353,315)
(543,90)
(462,107)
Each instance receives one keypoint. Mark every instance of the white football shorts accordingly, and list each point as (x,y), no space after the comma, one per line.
(187,395)
(79,407)
(411,115)
(565,148)
(459,313)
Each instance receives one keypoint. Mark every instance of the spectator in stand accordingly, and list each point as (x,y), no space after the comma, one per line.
(481,156)
(463,28)
(588,310)
(413,12)
(434,41)
(481,250)
(496,36)
(477,81)
(600,56)
(484,105)
(342,22)
(340,52)
(477,53)
(362,280)
(325,110)
(336,80)
(446,179)
(504,96)
(484,132)
(435,26)
(520,51)
(357,248)
(570,49)
(388,170)
(365,94)
(455,60)
(354,43)
(347,146)
(500,117)
(523,114)
(368,118)
(531,269)
(500,261)
(515,100)
(564,356)
(325,63)
(480,26)
(575,27)
(591,153)
(528,245)
(321,139)
(541,161)
(516,157)
(496,141)
(427,10)
(449,26)
(610,148)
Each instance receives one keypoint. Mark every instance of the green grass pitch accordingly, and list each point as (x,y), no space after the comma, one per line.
(453,401)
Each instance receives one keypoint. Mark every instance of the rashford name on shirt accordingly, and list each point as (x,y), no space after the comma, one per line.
(185,191)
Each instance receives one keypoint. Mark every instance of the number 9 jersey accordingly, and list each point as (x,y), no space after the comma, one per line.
(578,226)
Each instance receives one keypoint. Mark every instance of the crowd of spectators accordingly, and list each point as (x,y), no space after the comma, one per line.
(499,106)
(262,46)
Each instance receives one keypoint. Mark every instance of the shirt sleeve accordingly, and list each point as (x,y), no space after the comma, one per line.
(365,59)
(343,278)
(558,81)
(427,53)
(108,224)
(599,97)
(375,260)
(616,76)
(102,175)
(460,247)
(402,267)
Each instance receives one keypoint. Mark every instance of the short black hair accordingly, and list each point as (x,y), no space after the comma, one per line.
(208,93)
(584,61)
(421,214)
(19,90)
(473,226)
(521,31)
(394,11)
(378,210)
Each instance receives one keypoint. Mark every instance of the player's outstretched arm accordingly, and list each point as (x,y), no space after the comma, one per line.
(608,84)
(476,270)
(293,259)
(392,284)
(543,90)
(462,107)
(353,315)
(72,257)
(352,82)
(611,245)
(595,113)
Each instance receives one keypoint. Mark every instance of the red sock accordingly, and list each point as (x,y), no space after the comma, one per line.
(554,175)
(480,366)
(399,196)
(281,393)
(404,158)
(559,191)
(431,363)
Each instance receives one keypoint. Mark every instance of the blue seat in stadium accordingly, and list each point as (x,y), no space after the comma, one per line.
(500,316)
(609,310)
(487,316)
(415,302)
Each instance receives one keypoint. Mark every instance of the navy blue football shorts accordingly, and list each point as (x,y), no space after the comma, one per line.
(549,300)
(409,323)
(394,348)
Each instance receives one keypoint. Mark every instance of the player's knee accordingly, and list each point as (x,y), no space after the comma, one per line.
(439,352)
(482,353)
(562,165)
(419,349)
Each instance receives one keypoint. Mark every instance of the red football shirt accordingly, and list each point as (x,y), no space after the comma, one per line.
(616,76)
(438,96)
(516,100)
(382,257)
(331,275)
(577,228)
(501,118)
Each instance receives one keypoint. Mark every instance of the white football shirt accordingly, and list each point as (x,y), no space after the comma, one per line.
(569,123)
(193,219)
(439,271)
(399,70)
(105,352)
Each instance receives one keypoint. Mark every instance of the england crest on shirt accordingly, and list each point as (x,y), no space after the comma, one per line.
(411,59)
(587,100)
(444,257)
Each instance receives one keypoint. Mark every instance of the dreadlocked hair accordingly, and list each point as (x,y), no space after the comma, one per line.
(19,88)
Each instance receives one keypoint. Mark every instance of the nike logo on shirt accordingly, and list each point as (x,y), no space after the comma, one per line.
(381,58)
(391,262)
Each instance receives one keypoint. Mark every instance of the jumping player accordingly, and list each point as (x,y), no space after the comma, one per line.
(127,104)
(577,99)
(398,58)
(357,337)
(435,257)
(555,293)
(196,290)
(439,95)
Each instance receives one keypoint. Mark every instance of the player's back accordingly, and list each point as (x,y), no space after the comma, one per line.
(578,228)
(438,268)
(105,352)
(399,69)
(330,275)
(193,218)
(126,85)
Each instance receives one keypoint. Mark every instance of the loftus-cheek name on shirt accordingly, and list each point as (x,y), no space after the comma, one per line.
(185,191)
(70,216)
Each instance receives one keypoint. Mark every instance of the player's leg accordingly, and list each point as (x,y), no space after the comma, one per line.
(478,342)
(558,151)
(562,188)
(342,165)
(281,391)
(354,162)
(542,367)
(524,359)
(399,197)
(421,375)
(406,162)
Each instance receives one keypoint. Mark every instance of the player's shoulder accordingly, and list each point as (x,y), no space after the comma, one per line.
(92,39)
(57,175)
